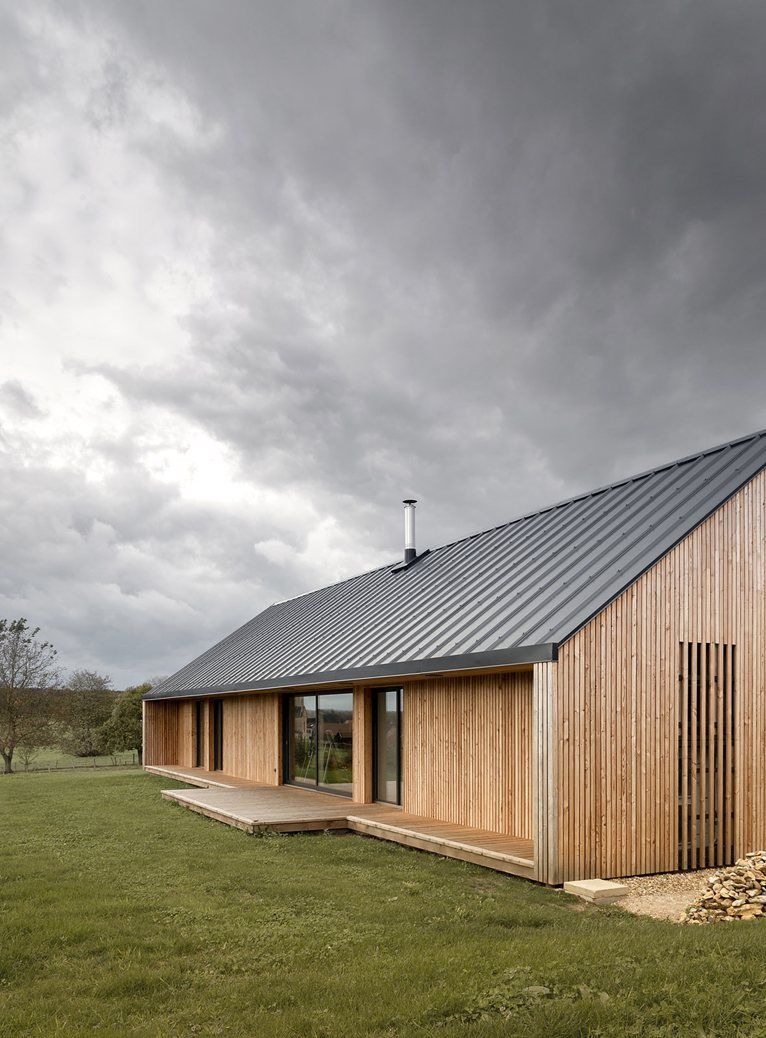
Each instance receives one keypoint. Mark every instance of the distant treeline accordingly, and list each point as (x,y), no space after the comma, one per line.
(83,716)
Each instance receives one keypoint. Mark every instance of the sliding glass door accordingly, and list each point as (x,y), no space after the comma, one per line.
(302,746)
(319,730)
(388,745)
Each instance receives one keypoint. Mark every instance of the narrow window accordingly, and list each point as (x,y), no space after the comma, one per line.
(217,735)
(388,745)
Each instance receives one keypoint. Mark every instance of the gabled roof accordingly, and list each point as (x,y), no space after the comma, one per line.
(507,595)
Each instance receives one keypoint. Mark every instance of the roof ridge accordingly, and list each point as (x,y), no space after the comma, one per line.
(606,486)
(539,511)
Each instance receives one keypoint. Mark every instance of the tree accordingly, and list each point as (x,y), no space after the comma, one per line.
(87,706)
(124,729)
(27,753)
(27,673)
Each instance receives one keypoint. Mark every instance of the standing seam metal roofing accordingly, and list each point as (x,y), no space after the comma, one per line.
(510,594)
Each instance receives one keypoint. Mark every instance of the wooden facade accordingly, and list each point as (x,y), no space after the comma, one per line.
(639,750)
(251,735)
(637,778)
(251,738)
(452,728)
(161,732)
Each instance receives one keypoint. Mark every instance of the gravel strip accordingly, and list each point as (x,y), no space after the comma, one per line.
(663,896)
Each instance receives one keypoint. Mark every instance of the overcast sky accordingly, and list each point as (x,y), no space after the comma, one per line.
(268,268)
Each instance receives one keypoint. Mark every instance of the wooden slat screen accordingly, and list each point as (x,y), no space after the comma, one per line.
(706,757)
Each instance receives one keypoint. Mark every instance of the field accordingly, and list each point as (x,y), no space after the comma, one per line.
(51,758)
(125,915)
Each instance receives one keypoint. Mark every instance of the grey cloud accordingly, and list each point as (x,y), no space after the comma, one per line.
(124,576)
(16,402)
(500,169)
(487,254)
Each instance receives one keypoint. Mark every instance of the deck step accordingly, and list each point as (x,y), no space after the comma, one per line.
(387,831)
(202,780)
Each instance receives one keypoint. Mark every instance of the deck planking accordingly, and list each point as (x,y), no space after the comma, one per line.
(252,807)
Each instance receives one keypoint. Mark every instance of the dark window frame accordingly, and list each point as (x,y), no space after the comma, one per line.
(399,689)
(287,744)
(217,735)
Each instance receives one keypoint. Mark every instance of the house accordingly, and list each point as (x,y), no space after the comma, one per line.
(587,680)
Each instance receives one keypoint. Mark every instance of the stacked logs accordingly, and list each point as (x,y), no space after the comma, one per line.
(738,892)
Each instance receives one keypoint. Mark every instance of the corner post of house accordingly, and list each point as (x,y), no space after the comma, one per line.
(544,711)
(143,731)
(362,746)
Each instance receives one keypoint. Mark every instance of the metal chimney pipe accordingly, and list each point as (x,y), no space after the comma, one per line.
(409,529)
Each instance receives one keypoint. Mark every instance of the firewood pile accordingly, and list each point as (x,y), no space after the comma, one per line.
(737,892)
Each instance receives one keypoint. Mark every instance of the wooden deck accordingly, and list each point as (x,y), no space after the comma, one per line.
(253,807)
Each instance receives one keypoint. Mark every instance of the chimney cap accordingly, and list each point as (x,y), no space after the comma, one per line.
(410,501)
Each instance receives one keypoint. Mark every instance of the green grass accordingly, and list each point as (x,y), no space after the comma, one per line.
(50,757)
(125,915)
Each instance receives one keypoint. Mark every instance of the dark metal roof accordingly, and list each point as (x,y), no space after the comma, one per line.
(504,596)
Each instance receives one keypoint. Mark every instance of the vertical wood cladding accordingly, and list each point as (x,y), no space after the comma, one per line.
(251,737)
(186,734)
(363,792)
(467,751)
(161,732)
(619,708)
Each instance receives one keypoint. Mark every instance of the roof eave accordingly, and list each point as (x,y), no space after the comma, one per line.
(516,656)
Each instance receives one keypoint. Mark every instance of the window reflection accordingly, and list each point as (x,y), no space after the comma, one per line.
(320,752)
(304,740)
(388,717)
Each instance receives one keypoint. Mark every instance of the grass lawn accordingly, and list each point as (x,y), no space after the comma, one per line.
(125,915)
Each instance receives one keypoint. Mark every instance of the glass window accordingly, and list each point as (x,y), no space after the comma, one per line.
(320,741)
(388,745)
(336,742)
(303,740)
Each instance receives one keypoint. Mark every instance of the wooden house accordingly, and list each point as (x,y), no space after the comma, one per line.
(587,681)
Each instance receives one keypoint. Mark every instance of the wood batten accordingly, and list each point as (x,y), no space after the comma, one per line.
(363,790)
(467,751)
(544,796)
(186,734)
(622,757)
(707,709)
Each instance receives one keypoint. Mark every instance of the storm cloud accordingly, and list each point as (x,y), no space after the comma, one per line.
(269,268)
